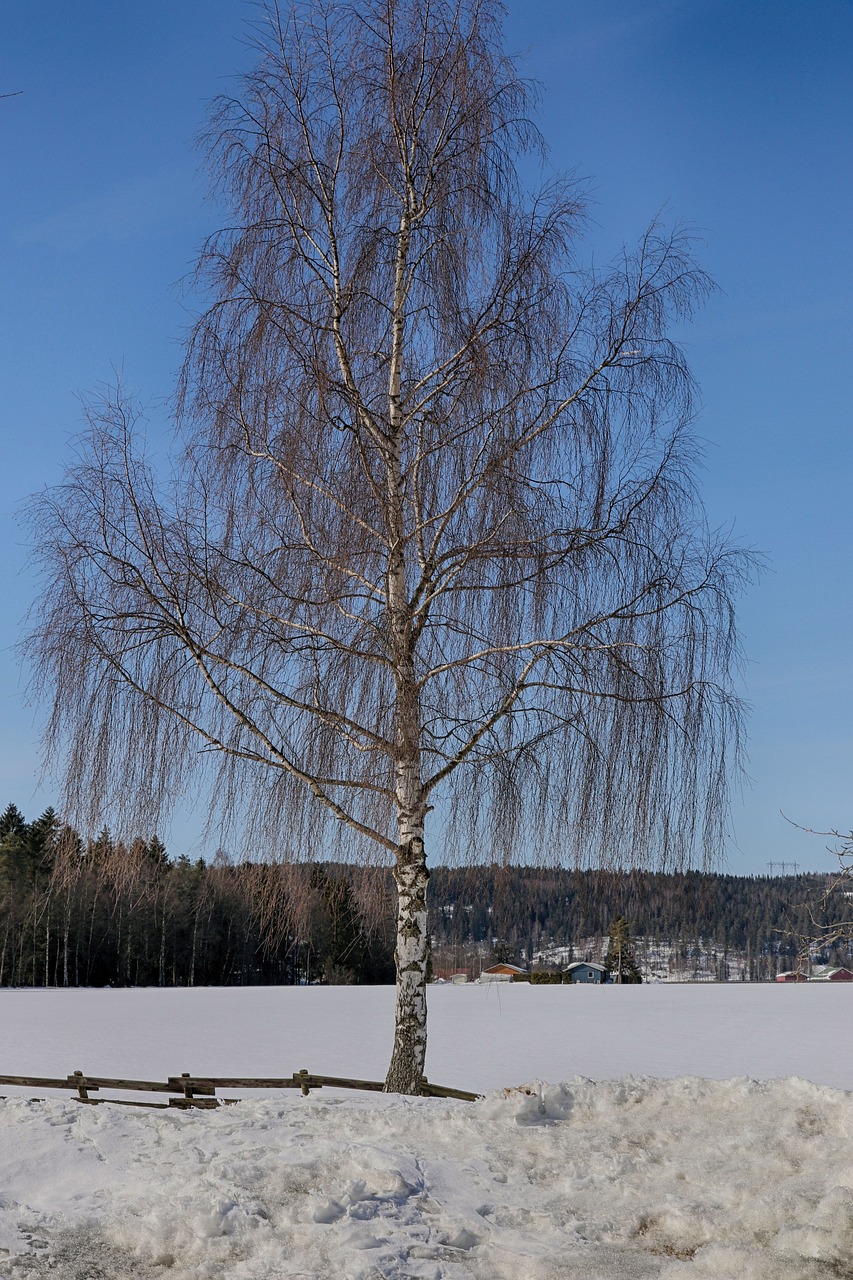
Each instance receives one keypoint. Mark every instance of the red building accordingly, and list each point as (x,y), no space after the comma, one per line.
(832,975)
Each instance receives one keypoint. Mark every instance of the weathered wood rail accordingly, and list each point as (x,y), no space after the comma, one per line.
(200,1091)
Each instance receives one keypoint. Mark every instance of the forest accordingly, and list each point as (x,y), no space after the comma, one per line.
(99,912)
(755,926)
(96,912)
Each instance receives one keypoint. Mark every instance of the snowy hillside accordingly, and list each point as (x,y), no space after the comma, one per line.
(607,1179)
(663,961)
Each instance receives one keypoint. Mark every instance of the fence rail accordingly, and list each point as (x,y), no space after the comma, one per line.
(200,1091)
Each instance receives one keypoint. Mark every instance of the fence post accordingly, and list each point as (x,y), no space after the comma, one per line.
(82,1091)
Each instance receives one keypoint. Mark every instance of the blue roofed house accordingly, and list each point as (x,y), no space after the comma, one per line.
(585,971)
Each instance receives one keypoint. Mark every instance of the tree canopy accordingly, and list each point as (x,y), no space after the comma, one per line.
(432,535)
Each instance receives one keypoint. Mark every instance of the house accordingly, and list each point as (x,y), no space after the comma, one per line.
(585,971)
(501,972)
(832,975)
(791,975)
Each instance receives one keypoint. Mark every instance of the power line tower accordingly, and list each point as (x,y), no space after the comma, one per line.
(783,868)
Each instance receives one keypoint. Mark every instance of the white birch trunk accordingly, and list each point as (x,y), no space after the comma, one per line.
(410,875)
(408,1058)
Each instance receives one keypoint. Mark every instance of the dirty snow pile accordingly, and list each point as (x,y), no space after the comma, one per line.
(682,1158)
(685,1179)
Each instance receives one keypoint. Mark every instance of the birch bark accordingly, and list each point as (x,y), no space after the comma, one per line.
(408,1057)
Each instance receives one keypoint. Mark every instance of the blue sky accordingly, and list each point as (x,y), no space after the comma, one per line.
(732,116)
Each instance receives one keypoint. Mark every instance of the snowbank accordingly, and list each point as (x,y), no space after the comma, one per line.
(683,1180)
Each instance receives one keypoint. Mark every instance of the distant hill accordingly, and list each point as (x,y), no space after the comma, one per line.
(77,912)
(685,924)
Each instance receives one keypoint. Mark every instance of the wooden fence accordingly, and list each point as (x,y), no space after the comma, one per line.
(200,1091)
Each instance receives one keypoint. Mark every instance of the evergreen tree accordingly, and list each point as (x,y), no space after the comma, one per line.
(619,961)
(12,822)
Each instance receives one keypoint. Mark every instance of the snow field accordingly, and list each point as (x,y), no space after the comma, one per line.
(629,1178)
(479,1037)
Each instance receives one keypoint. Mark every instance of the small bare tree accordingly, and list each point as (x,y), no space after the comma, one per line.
(823,922)
(432,529)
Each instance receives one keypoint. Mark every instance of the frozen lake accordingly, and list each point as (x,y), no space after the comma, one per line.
(480,1037)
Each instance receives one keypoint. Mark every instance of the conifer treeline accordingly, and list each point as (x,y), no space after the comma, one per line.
(529,910)
(97,912)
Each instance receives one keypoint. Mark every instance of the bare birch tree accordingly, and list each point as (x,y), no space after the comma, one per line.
(432,536)
(823,924)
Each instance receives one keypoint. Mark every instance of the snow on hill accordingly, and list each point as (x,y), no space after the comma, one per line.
(680,1178)
(696,961)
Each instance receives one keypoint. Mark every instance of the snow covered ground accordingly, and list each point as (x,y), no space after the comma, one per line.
(661,1165)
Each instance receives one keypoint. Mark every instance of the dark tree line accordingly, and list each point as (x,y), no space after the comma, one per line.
(94,912)
(521,911)
(90,912)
